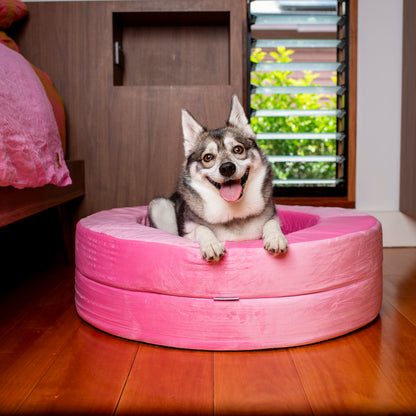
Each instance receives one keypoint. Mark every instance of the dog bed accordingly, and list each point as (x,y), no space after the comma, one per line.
(144,284)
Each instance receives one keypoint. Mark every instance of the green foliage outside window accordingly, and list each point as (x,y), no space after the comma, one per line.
(296,124)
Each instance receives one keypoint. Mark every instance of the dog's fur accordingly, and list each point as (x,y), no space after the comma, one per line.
(225,189)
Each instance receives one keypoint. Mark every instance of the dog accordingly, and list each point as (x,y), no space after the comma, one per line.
(224,192)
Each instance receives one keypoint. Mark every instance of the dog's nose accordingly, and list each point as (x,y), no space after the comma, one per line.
(227,169)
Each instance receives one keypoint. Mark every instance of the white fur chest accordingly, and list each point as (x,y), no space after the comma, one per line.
(220,215)
(250,229)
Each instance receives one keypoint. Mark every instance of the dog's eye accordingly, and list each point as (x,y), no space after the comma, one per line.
(238,149)
(208,157)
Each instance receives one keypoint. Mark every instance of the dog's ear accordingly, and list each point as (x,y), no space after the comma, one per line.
(191,130)
(238,117)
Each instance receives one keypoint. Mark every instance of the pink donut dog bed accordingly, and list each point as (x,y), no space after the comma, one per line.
(144,284)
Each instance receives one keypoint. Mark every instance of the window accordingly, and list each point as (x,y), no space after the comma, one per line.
(301,94)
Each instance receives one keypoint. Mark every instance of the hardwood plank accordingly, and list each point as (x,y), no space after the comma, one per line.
(400,280)
(53,363)
(24,372)
(396,355)
(87,376)
(257,383)
(399,262)
(364,372)
(45,311)
(169,381)
(34,306)
(30,309)
(17,204)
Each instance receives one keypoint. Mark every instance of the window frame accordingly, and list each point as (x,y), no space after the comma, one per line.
(348,200)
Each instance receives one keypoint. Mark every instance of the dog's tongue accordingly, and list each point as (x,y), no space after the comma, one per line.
(230,191)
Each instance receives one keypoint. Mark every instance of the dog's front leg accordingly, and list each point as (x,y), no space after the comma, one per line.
(274,240)
(211,249)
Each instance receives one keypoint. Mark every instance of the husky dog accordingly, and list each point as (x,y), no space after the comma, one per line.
(225,189)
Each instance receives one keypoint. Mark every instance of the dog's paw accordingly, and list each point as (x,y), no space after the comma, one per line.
(274,240)
(212,250)
(275,243)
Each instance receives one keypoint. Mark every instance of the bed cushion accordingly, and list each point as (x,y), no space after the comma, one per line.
(147,285)
(31,153)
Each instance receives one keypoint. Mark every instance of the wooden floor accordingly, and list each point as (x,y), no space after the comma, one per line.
(53,363)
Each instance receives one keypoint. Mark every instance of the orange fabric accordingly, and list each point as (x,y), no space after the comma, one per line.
(10,12)
(57,104)
(6,40)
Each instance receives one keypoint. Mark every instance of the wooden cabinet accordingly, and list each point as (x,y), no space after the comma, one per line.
(124,120)
(408,149)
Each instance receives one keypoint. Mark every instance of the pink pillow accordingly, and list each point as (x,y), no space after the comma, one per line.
(31,153)
(53,96)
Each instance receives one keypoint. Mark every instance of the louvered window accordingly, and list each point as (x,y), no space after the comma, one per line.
(298,93)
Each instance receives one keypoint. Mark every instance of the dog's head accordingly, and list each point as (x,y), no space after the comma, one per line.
(223,159)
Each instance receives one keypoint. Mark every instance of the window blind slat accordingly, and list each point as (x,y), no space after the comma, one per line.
(339,90)
(300,136)
(332,182)
(260,18)
(297,43)
(297,66)
(306,159)
(298,113)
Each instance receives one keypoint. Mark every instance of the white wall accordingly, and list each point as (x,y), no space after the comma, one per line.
(379,104)
(379,76)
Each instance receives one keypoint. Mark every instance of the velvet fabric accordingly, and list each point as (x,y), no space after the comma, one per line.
(145,284)
(31,153)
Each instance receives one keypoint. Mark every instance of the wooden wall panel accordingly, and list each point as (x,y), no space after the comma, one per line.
(408,145)
(129,135)
(174,48)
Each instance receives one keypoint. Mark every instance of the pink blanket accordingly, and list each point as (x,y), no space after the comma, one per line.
(31,153)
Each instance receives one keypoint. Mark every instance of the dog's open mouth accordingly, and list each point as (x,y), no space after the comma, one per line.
(232,191)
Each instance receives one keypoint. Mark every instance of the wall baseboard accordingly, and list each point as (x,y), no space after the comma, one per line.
(399,230)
